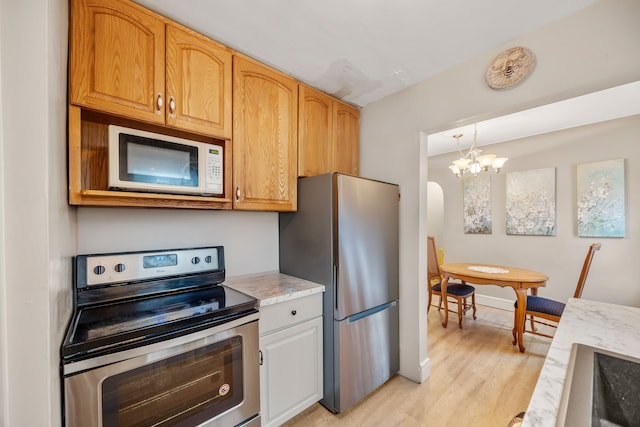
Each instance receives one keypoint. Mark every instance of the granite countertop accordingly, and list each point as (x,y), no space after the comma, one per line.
(273,287)
(608,326)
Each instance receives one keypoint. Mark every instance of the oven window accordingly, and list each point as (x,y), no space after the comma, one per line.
(187,389)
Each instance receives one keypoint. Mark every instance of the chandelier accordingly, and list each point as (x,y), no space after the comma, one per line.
(473,162)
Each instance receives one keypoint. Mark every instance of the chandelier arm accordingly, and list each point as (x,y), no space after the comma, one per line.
(473,162)
(457,137)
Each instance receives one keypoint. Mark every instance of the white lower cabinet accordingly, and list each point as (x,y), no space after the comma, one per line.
(290,358)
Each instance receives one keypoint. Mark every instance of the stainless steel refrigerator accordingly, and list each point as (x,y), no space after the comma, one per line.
(345,236)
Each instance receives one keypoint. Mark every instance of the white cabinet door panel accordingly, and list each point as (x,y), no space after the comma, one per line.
(291,371)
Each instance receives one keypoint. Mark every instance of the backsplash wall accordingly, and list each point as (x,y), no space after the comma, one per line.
(250,239)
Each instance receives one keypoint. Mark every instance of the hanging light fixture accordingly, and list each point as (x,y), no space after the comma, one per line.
(473,162)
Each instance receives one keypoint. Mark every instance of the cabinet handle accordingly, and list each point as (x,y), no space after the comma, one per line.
(237,194)
(260,351)
(172,106)
(294,312)
(159,103)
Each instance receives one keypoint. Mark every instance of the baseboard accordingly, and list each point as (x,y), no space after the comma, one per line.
(421,375)
(425,370)
(501,303)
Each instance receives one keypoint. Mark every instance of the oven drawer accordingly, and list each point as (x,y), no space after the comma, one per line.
(289,313)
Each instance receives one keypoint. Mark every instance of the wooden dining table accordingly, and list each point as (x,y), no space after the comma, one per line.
(520,279)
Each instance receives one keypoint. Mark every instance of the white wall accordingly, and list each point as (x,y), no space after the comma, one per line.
(4,386)
(612,277)
(38,229)
(435,213)
(585,52)
(250,239)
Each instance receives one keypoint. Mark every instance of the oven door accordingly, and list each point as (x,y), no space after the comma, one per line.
(208,378)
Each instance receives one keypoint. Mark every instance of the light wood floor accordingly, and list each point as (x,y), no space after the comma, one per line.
(477,379)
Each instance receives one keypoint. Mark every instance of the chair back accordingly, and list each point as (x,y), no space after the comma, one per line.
(585,269)
(440,256)
(433,269)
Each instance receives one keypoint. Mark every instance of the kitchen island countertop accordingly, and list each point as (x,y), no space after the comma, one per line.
(273,287)
(608,326)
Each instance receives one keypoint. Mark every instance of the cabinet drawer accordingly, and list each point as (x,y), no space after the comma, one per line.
(288,313)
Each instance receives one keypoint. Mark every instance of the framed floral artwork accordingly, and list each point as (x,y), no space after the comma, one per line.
(531,202)
(476,195)
(601,202)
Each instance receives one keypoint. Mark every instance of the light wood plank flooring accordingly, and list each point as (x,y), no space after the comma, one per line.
(477,379)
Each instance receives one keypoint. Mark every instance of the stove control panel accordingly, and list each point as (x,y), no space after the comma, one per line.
(104,269)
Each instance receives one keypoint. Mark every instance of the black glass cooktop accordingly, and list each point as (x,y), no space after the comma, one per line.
(102,328)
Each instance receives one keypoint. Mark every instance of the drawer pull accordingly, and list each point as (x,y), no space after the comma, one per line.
(294,312)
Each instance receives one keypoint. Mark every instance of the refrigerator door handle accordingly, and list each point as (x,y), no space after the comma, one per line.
(371,311)
(335,284)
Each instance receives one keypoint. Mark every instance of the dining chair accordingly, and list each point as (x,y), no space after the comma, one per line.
(548,309)
(456,292)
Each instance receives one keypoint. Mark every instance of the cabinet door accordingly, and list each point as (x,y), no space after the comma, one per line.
(346,149)
(198,83)
(265,143)
(117,59)
(291,371)
(315,132)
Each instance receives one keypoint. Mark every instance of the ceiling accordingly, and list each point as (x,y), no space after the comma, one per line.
(617,102)
(363,50)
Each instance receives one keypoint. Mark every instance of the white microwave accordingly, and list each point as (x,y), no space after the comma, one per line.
(145,161)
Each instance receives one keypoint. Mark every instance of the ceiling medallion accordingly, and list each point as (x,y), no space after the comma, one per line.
(510,68)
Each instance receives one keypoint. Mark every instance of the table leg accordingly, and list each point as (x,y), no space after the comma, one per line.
(443,293)
(521,296)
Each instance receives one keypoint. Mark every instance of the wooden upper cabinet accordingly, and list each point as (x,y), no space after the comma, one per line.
(329,135)
(265,143)
(117,59)
(198,83)
(346,141)
(129,61)
(315,132)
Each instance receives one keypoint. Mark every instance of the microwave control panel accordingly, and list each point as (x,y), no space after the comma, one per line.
(214,169)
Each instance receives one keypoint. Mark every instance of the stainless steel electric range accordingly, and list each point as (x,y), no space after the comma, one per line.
(156,339)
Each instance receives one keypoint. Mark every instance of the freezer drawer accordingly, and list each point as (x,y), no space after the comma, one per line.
(369,353)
